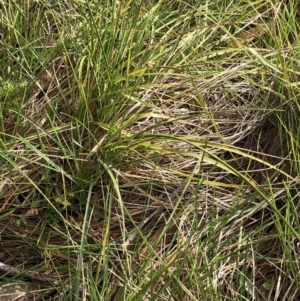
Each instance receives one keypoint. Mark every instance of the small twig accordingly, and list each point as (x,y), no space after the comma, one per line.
(31,275)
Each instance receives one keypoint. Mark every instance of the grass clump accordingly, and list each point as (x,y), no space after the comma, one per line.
(149,149)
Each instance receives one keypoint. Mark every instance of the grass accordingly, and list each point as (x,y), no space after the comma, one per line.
(108,108)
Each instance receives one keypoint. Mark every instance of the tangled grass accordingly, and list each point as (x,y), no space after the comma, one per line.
(149,150)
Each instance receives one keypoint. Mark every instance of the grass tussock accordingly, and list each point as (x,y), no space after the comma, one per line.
(149,149)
